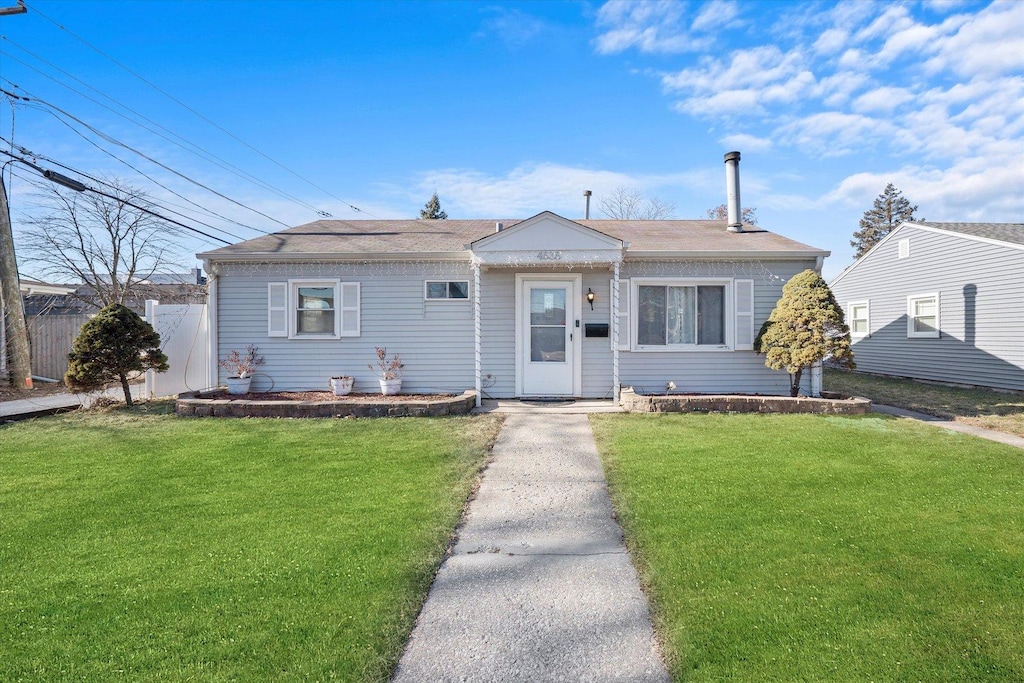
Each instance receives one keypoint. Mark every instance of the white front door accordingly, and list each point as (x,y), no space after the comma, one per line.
(548,337)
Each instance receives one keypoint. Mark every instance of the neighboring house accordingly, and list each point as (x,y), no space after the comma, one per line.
(941,302)
(545,306)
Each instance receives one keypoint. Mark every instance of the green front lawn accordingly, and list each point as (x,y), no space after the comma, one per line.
(823,548)
(140,546)
(999,410)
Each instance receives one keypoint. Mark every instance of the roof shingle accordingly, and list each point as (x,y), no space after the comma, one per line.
(448,236)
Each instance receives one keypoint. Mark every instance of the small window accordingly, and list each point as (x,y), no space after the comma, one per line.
(456,289)
(859,321)
(315,310)
(923,316)
(904,248)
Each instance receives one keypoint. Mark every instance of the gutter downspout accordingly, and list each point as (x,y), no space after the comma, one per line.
(615,333)
(477,355)
(212,370)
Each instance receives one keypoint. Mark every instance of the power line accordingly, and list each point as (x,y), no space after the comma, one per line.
(181,142)
(153,180)
(162,205)
(115,141)
(120,200)
(196,113)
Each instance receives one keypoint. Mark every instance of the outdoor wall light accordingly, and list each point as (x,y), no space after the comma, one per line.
(590,297)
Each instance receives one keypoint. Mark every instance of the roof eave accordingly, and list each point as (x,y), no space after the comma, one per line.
(730,255)
(271,257)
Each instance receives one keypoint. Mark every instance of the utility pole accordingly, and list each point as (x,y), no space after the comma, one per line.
(19,367)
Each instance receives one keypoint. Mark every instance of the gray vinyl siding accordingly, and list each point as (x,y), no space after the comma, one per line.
(498,333)
(981,309)
(713,371)
(434,338)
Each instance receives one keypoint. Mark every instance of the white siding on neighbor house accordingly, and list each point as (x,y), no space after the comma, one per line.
(981,309)
(434,338)
(703,371)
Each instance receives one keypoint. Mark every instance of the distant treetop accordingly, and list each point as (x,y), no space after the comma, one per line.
(432,209)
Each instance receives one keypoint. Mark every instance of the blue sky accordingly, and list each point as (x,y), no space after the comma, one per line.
(509,109)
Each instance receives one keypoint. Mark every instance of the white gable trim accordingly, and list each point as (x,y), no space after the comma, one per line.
(547,239)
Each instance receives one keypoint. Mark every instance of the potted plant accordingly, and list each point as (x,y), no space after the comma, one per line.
(388,370)
(241,366)
(342,384)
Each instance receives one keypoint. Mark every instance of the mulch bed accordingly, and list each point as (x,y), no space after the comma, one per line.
(329,396)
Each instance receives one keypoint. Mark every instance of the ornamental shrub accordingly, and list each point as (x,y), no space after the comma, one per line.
(114,344)
(806,327)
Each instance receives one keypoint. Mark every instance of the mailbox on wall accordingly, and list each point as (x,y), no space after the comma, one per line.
(595,330)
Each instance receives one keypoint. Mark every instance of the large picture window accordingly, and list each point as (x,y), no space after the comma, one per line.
(681,314)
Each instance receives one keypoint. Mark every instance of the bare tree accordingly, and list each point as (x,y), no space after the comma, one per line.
(748,214)
(629,203)
(101,241)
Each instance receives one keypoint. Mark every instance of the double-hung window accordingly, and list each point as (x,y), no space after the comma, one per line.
(859,320)
(923,316)
(681,314)
(313,309)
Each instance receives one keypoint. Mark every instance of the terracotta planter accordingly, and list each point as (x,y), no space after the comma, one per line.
(341,386)
(238,385)
(390,387)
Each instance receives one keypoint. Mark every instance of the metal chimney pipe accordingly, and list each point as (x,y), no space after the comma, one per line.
(732,190)
(587,193)
(498,227)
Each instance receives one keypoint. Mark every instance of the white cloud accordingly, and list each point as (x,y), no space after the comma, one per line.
(884,99)
(989,43)
(716,14)
(530,189)
(745,142)
(831,41)
(834,133)
(511,26)
(652,26)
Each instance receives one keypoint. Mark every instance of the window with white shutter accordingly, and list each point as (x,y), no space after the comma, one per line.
(313,309)
(744,315)
(277,309)
(349,309)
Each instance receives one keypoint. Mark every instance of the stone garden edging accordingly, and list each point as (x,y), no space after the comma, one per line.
(216,404)
(633,402)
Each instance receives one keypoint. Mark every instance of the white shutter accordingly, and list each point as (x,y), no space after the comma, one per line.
(348,309)
(277,309)
(744,315)
(623,313)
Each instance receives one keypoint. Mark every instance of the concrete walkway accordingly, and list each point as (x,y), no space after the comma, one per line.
(50,404)
(981,432)
(539,586)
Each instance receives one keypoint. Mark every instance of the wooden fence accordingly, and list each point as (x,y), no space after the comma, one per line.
(50,338)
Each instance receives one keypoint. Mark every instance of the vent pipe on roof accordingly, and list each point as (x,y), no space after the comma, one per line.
(587,193)
(498,227)
(732,190)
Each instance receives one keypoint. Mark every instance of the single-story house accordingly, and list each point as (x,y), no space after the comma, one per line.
(541,307)
(940,301)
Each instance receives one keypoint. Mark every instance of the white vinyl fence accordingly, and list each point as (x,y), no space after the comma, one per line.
(184,338)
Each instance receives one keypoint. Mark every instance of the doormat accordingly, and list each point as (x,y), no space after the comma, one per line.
(548,400)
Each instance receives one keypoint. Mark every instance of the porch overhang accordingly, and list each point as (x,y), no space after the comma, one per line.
(548,258)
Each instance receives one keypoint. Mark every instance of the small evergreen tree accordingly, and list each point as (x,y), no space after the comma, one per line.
(109,347)
(432,209)
(806,327)
(891,208)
